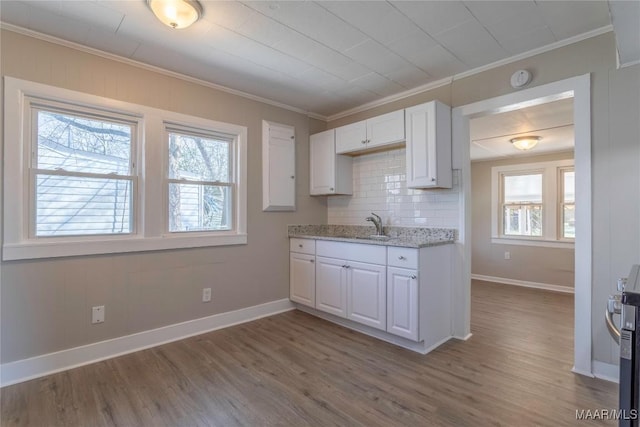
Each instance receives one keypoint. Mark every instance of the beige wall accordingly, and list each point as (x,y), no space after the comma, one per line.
(46,303)
(615,134)
(552,266)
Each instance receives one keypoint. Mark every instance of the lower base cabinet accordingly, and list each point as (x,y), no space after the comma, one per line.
(402,291)
(353,290)
(302,279)
(402,302)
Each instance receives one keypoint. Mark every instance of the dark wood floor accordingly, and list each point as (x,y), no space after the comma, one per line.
(295,370)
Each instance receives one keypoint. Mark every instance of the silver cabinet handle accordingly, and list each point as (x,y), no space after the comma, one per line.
(346,266)
(331,189)
(414,277)
(401,258)
(299,246)
(364,141)
(433,180)
(292,177)
(368,141)
(312,260)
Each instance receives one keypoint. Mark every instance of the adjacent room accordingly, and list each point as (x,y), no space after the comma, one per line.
(353,213)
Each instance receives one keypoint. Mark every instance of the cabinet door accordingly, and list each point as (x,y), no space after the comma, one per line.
(428,153)
(350,138)
(331,289)
(366,293)
(385,129)
(322,163)
(402,302)
(278,167)
(302,279)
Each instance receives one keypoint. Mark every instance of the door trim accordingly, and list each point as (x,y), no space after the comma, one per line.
(578,88)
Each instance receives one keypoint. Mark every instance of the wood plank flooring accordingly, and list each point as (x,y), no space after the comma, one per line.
(296,370)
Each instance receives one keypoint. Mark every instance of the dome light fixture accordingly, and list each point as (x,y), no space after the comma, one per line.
(176,14)
(525,143)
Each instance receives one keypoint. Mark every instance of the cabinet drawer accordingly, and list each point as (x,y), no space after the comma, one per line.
(303,246)
(402,257)
(372,254)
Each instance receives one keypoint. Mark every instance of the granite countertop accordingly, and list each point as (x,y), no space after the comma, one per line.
(408,237)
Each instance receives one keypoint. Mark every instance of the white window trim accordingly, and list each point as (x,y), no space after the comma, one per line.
(550,201)
(149,228)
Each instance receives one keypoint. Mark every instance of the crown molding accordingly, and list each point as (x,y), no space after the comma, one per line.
(373,104)
(159,70)
(449,80)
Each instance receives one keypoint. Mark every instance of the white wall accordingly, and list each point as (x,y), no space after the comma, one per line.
(380,186)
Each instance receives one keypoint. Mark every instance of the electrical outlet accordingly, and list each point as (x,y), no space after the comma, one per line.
(206,295)
(507,255)
(97,314)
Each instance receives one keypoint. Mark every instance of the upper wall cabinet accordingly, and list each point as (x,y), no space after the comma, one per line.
(372,133)
(428,128)
(278,167)
(330,173)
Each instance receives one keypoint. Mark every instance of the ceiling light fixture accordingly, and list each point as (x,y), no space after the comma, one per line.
(176,14)
(525,143)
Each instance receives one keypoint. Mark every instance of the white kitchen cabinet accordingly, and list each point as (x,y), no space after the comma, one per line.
(402,302)
(373,133)
(278,167)
(329,173)
(331,286)
(428,146)
(398,294)
(366,294)
(302,271)
(351,282)
(302,278)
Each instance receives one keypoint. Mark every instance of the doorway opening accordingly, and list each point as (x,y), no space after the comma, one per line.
(576,89)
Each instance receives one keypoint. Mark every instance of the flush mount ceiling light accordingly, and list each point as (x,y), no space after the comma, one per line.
(177,14)
(525,143)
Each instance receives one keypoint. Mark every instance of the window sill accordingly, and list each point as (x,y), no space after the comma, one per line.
(561,244)
(68,248)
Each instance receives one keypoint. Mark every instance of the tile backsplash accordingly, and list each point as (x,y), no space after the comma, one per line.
(380,186)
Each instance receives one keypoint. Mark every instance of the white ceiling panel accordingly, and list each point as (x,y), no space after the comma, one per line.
(472,44)
(312,20)
(494,12)
(567,18)
(377,19)
(409,77)
(376,57)
(378,84)
(438,62)
(323,57)
(435,17)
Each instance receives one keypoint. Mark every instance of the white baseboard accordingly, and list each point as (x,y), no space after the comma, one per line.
(34,367)
(524,283)
(606,371)
(463,338)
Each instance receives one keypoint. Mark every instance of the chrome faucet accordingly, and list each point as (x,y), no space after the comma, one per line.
(377,221)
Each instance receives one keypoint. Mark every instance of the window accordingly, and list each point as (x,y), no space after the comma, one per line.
(534,204)
(82,174)
(90,175)
(522,205)
(200,180)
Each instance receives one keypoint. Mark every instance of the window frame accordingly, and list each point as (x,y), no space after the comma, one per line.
(148,231)
(180,128)
(32,107)
(550,204)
